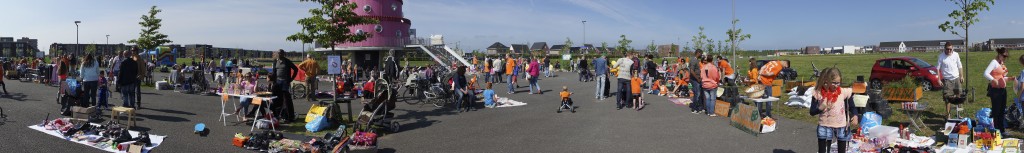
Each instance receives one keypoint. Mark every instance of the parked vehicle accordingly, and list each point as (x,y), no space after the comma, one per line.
(893,69)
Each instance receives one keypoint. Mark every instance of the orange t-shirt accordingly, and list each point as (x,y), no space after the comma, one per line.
(752,74)
(509,65)
(726,68)
(635,84)
(998,73)
(657,84)
(772,68)
(564,95)
(683,77)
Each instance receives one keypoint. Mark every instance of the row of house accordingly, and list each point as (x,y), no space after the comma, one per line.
(182,51)
(542,47)
(18,48)
(939,45)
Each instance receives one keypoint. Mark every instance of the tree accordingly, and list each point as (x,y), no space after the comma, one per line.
(329,24)
(963,17)
(568,46)
(652,48)
(91,48)
(150,37)
(735,37)
(604,45)
(709,46)
(699,40)
(624,44)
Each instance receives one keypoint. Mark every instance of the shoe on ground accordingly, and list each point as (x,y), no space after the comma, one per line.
(712,115)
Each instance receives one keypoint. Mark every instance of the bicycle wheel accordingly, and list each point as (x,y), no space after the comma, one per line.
(298,91)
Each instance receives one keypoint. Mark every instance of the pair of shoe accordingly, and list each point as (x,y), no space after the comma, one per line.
(712,115)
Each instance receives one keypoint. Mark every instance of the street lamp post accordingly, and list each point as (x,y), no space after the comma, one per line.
(108,43)
(584,33)
(76,36)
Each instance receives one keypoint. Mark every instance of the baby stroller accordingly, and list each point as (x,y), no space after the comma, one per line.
(376,112)
(71,94)
(439,94)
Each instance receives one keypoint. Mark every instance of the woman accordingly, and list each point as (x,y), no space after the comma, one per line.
(835,113)
(460,88)
(534,72)
(710,77)
(996,75)
(90,75)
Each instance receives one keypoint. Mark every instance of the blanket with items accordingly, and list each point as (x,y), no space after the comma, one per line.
(108,137)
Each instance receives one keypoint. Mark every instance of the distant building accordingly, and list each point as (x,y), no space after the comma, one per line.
(79,49)
(539,47)
(668,50)
(1008,43)
(23,47)
(555,49)
(497,48)
(918,46)
(519,49)
(811,50)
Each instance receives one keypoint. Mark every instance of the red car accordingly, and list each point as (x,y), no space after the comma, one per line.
(893,69)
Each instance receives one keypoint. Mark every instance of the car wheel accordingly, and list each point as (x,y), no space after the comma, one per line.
(876,84)
(925,84)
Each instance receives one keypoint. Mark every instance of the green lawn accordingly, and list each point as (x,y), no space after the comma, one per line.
(860,64)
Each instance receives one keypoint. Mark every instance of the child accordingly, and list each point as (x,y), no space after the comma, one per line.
(682,83)
(664,89)
(834,112)
(490,97)
(656,87)
(635,83)
(710,77)
(248,85)
(566,101)
(104,92)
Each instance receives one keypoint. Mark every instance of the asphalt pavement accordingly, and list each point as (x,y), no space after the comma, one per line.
(536,127)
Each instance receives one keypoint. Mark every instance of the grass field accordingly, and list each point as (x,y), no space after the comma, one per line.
(860,64)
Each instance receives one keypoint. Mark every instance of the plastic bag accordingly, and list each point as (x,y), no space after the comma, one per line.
(984,118)
(869,120)
(317,124)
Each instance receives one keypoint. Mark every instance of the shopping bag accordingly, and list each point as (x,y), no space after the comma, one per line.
(768,125)
(318,124)
(315,111)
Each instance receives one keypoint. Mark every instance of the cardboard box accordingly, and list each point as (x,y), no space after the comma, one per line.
(82,112)
(963,141)
(952,140)
(721,108)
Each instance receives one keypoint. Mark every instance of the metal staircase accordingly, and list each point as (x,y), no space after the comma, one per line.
(442,54)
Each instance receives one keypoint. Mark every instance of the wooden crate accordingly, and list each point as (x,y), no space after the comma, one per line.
(902,94)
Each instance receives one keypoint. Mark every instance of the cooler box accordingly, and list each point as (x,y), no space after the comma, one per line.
(163,85)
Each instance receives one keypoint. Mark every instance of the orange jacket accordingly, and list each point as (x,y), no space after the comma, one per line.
(510,64)
(726,68)
(772,70)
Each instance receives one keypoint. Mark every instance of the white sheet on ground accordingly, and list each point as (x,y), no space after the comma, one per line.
(506,102)
(156,140)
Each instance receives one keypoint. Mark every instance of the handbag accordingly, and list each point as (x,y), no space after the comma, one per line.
(317,124)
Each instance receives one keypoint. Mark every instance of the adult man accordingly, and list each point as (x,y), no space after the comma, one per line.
(583,70)
(695,80)
(282,76)
(312,68)
(128,79)
(497,67)
(600,70)
(143,70)
(950,68)
(390,68)
(624,96)
(767,75)
(545,66)
(510,64)
(652,71)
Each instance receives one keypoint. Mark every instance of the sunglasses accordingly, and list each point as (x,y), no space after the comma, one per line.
(835,83)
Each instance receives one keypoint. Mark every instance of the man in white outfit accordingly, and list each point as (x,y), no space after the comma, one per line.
(950,68)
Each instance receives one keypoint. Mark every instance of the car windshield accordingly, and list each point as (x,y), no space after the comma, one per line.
(920,63)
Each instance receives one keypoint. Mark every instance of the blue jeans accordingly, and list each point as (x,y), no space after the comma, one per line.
(828,133)
(533,84)
(102,98)
(696,97)
(128,95)
(547,72)
(599,93)
(511,87)
(487,76)
(625,96)
(709,100)
(766,107)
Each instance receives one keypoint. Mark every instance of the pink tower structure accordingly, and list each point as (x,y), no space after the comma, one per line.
(392,32)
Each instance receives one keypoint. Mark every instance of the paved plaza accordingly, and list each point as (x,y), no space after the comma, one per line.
(596,126)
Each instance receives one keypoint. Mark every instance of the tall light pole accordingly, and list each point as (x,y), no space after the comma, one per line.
(108,42)
(76,36)
(584,33)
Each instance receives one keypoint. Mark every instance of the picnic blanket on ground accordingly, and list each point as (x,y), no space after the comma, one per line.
(155,140)
(506,102)
(680,101)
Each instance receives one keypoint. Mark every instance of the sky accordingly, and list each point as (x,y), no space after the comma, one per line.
(476,24)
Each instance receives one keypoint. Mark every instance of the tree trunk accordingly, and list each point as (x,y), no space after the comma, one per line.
(967,36)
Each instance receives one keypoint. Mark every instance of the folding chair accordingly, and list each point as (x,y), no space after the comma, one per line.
(224,99)
(257,102)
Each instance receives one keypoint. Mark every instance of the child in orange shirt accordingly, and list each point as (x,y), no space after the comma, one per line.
(656,87)
(566,101)
(635,83)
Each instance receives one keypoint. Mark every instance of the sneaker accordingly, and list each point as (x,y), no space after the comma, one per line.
(694,112)
(712,115)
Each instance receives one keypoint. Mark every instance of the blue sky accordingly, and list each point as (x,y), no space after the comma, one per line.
(475,24)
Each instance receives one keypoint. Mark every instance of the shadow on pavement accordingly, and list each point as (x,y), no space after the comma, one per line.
(419,118)
(782,151)
(386,150)
(171,111)
(17,97)
(161,118)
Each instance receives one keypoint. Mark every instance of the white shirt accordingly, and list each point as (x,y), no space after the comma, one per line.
(988,70)
(623,64)
(949,66)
